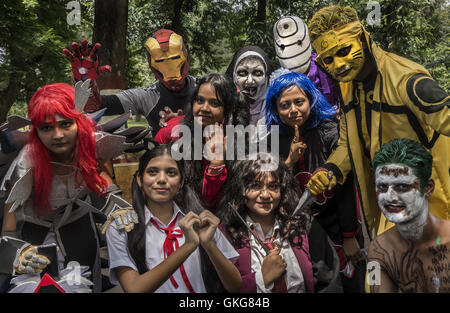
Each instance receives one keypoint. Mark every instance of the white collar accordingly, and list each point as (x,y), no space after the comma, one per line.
(257,227)
(149,215)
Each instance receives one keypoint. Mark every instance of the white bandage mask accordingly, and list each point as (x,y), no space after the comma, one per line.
(292,44)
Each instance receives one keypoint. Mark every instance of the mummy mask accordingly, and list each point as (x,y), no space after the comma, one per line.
(292,44)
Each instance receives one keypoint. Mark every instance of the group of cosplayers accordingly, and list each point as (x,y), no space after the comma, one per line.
(350,195)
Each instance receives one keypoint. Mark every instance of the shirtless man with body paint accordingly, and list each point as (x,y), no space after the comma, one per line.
(414,255)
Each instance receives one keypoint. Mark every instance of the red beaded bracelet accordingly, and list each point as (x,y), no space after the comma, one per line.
(216,167)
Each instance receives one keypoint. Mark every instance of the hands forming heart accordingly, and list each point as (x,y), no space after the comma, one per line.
(199,229)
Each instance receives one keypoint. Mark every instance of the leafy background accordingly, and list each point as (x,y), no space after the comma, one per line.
(33,33)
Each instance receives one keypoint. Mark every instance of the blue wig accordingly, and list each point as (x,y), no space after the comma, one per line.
(320,108)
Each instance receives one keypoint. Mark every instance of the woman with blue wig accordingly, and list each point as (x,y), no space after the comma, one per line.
(309,132)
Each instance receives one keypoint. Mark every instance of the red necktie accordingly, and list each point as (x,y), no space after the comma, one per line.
(279,285)
(168,249)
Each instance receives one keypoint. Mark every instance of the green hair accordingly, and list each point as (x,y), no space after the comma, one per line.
(407,152)
(329,18)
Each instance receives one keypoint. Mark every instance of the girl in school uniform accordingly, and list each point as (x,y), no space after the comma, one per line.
(274,255)
(176,247)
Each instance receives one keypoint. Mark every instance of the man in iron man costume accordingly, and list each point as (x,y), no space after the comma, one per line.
(169,61)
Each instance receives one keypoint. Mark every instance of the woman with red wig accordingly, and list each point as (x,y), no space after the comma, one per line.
(56,194)
(60,136)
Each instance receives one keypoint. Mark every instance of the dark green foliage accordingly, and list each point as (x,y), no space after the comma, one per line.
(33,33)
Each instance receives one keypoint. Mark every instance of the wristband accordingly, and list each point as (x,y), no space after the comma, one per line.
(216,167)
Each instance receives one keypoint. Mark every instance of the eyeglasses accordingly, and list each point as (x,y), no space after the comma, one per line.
(272,187)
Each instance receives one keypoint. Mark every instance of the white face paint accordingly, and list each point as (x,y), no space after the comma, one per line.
(399,195)
(250,77)
(292,44)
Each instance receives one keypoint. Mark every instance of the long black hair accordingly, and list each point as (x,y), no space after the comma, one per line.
(186,199)
(236,112)
(243,174)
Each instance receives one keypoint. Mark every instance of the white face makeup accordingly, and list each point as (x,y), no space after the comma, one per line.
(250,77)
(398,193)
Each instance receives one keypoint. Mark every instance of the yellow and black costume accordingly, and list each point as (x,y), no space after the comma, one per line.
(399,99)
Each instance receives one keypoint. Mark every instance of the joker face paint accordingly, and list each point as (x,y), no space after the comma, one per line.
(399,195)
(250,77)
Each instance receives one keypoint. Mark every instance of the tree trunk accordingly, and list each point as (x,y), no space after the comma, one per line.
(176,21)
(110,29)
(261,14)
(7,97)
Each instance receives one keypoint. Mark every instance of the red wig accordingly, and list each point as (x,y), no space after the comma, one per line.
(46,102)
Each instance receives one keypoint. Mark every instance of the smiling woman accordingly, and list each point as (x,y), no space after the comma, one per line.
(265,199)
(177,247)
(215,104)
(208,108)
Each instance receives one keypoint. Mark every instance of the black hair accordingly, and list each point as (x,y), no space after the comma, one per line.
(242,175)
(236,112)
(186,199)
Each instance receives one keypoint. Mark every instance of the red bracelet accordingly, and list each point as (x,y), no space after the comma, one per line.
(216,167)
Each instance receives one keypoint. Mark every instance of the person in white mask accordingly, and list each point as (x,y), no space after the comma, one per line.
(295,54)
(250,70)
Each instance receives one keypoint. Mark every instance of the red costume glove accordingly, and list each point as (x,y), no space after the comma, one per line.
(84,62)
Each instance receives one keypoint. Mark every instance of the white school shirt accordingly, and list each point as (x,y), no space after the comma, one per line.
(119,254)
(293,276)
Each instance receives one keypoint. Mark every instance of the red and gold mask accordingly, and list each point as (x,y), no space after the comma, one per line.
(168,58)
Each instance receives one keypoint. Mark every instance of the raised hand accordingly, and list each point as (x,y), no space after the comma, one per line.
(296,150)
(215,145)
(273,267)
(84,61)
(168,114)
